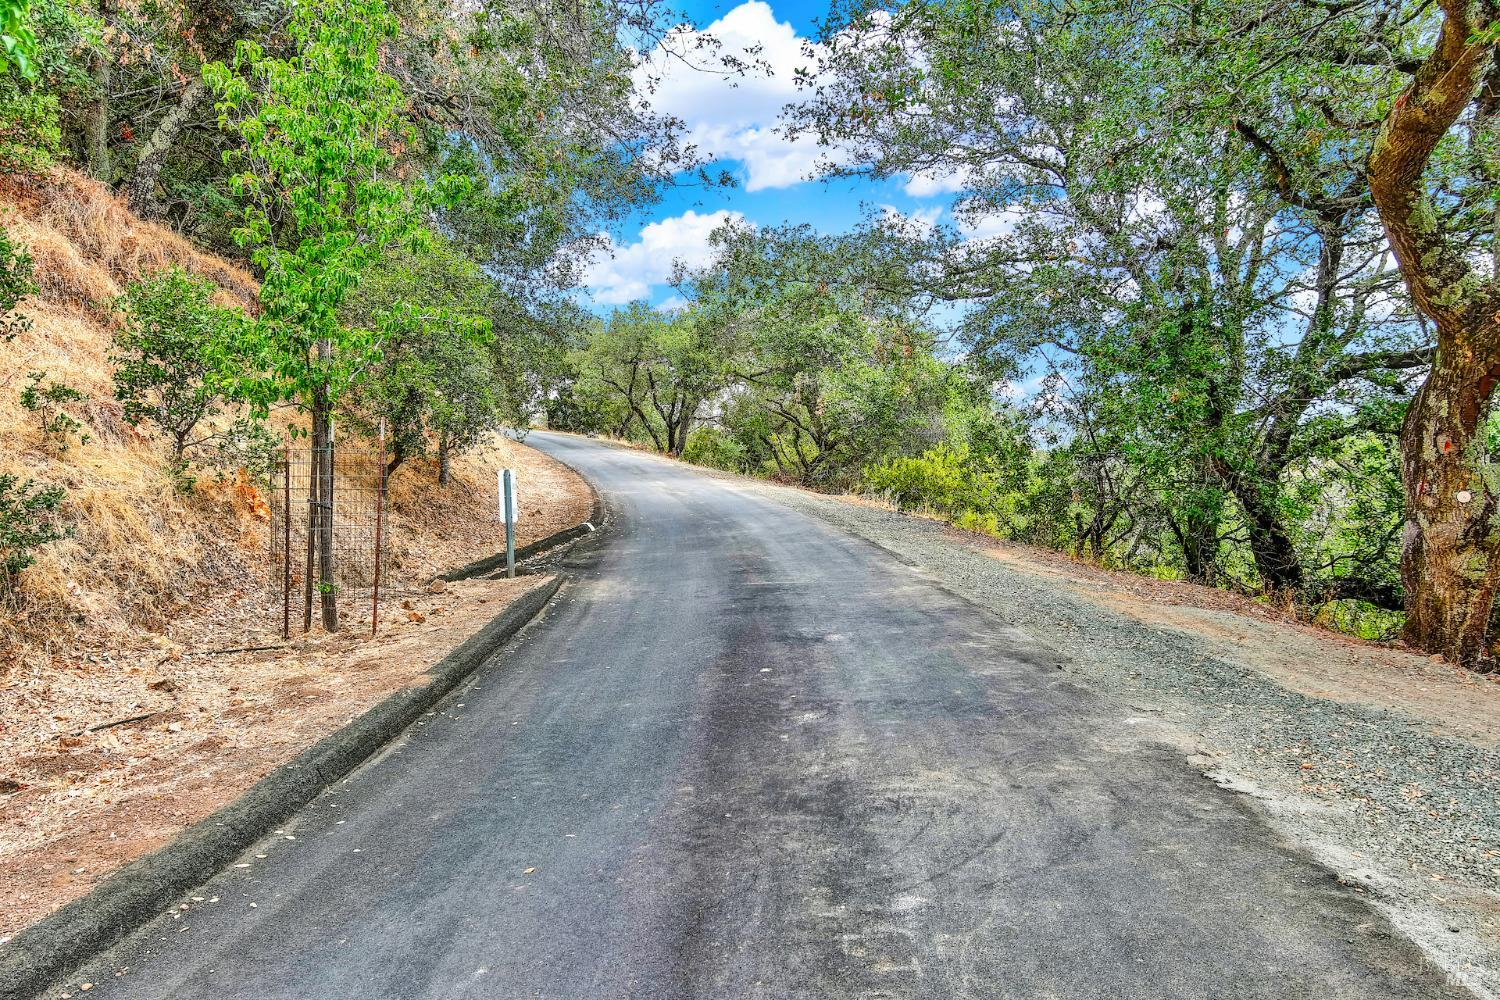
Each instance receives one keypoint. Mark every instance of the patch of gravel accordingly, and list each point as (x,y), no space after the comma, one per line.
(1410,817)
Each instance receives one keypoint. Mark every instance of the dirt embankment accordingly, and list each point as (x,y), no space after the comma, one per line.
(106,753)
(134,697)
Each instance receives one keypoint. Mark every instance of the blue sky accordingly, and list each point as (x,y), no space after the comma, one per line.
(733,122)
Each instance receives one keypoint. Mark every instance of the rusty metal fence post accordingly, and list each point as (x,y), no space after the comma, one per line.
(314,525)
(349,510)
(379,523)
(286,543)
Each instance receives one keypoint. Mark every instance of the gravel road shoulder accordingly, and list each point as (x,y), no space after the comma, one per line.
(1382,764)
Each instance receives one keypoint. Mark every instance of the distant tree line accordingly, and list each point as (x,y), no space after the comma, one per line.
(1225,280)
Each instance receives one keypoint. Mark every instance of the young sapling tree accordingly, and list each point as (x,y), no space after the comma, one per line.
(165,357)
(49,399)
(15,284)
(29,519)
(322,203)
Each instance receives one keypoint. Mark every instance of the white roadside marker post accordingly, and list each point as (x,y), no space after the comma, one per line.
(508,501)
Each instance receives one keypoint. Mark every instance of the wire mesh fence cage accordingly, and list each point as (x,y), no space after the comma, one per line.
(327,529)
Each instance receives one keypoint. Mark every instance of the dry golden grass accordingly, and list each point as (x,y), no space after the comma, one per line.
(87,244)
(145,555)
(159,583)
(138,544)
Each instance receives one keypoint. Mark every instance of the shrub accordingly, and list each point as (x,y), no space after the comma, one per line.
(163,355)
(28,520)
(245,444)
(58,41)
(30,137)
(49,400)
(985,524)
(951,482)
(935,480)
(712,447)
(15,285)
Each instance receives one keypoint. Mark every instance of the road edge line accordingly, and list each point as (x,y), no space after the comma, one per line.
(46,951)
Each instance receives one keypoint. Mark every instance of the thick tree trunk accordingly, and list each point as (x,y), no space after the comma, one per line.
(1197,557)
(1275,555)
(141,188)
(445,463)
(96,111)
(314,520)
(1198,536)
(1449,551)
(1091,536)
(1097,531)
(679,435)
(1271,546)
(1450,555)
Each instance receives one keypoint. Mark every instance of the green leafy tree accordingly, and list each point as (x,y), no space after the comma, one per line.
(33,93)
(17,38)
(661,367)
(165,356)
(539,103)
(49,400)
(441,382)
(322,204)
(830,372)
(434,386)
(1210,303)
(1376,124)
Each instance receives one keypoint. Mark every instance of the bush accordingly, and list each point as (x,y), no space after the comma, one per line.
(712,447)
(245,444)
(64,36)
(49,401)
(28,520)
(163,355)
(951,482)
(936,480)
(985,524)
(30,137)
(15,285)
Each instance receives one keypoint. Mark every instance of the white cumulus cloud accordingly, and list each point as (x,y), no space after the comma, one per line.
(627,272)
(733,115)
(919,221)
(925,184)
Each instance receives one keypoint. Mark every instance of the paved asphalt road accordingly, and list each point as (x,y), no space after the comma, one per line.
(746,756)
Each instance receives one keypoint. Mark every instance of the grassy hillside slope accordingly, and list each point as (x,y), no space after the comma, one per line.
(141,550)
(129,703)
(146,556)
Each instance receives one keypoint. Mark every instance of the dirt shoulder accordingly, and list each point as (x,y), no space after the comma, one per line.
(107,753)
(1310,660)
(1382,764)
